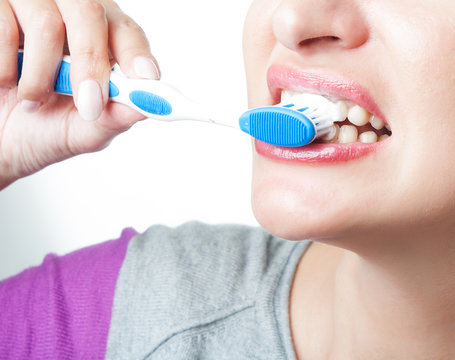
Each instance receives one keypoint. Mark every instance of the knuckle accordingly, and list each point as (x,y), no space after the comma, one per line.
(93,59)
(9,34)
(49,24)
(7,81)
(92,55)
(7,78)
(91,8)
(127,24)
(34,90)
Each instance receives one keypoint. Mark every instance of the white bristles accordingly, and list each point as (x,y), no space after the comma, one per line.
(321,111)
(322,120)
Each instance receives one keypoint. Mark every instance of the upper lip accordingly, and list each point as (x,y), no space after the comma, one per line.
(280,76)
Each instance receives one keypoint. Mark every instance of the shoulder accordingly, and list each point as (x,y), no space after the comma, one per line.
(194,253)
(65,303)
(177,281)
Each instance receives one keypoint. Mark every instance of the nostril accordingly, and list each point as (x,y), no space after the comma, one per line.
(318,40)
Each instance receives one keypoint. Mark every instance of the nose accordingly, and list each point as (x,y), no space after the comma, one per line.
(314,24)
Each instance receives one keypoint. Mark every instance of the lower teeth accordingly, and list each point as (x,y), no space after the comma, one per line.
(368,137)
(348,133)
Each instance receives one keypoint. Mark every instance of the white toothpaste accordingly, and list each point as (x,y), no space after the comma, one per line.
(320,104)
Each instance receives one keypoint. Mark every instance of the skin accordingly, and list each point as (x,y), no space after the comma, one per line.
(378,281)
(38,127)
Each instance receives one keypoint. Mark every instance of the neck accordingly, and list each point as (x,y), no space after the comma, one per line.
(392,300)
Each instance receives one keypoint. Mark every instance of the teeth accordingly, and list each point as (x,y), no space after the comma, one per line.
(348,134)
(343,109)
(376,122)
(358,115)
(368,137)
(334,130)
(337,111)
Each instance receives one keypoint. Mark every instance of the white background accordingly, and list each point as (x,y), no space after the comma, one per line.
(157,172)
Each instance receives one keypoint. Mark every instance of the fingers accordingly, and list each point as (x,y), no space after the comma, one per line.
(87,34)
(84,137)
(96,31)
(129,45)
(44,36)
(9,42)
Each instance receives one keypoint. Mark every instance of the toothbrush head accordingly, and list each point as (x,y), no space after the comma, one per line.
(286,125)
(281,126)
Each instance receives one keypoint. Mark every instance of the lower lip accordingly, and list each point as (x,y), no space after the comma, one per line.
(317,153)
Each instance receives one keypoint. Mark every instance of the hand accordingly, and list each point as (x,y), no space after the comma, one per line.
(38,127)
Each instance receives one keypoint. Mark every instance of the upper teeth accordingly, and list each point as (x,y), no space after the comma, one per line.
(358,115)
(343,109)
(377,123)
(337,112)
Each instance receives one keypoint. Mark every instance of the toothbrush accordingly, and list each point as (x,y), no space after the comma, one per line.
(308,117)
(283,125)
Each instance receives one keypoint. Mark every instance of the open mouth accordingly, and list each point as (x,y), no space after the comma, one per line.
(360,127)
(353,122)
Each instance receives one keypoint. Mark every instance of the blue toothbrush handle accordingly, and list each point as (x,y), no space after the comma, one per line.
(62,82)
(152,98)
(134,93)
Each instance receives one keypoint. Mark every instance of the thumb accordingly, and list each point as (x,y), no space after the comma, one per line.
(85,137)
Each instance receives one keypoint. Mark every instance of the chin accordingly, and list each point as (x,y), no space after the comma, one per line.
(323,204)
(291,214)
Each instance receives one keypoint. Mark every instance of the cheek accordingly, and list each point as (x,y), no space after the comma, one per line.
(258,44)
(424,90)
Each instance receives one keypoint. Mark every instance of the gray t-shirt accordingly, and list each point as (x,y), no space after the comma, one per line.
(204,292)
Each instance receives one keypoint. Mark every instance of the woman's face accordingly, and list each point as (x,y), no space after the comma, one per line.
(396,58)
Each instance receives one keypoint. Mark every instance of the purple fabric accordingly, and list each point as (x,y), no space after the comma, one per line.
(62,308)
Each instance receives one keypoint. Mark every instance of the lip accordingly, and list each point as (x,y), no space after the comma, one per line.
(330,85)
(281,76)
(317,153)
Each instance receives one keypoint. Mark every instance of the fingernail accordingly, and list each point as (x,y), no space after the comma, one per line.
(146,68)
(30,106)
(89,100)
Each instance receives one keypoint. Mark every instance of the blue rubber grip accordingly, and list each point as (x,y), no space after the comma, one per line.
(151,103)
(63,83)
(278,126)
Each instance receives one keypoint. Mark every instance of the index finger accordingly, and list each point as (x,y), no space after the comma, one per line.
(129,45)
(87,34)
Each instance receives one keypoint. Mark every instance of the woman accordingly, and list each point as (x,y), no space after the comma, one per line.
(375,283)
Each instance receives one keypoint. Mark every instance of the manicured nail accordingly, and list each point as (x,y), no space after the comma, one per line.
(89,100)
(30,106)
(146,68)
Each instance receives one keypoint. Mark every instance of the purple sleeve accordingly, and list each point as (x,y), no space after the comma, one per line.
(62,308)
